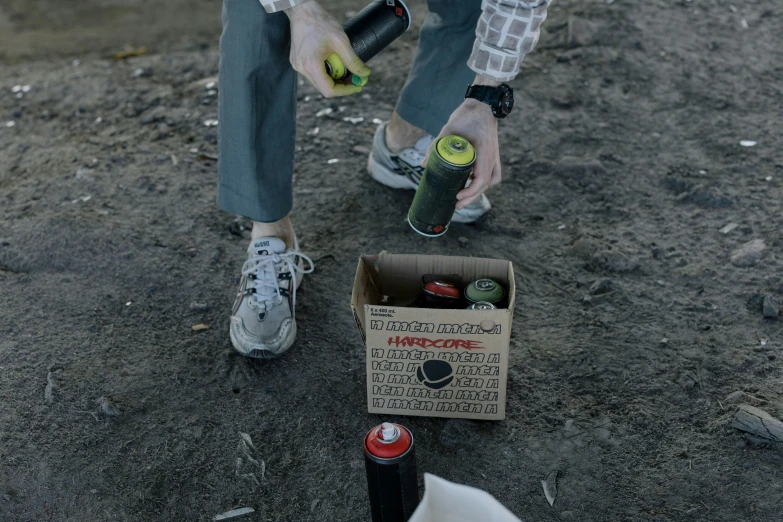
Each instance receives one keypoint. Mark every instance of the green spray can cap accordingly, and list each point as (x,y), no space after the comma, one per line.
(485,290)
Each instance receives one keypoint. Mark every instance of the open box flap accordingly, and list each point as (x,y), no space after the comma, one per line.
(365,291)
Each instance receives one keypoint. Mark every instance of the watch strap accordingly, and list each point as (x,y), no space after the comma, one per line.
(482,93)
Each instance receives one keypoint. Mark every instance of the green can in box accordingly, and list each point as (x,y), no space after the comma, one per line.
(484,290)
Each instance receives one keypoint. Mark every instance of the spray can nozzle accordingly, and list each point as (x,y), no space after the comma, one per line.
(388,433)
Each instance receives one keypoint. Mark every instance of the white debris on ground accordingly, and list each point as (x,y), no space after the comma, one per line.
(234,513)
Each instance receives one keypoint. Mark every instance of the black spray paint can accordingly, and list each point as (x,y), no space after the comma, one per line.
(370,32)
(448,170)
(392,484)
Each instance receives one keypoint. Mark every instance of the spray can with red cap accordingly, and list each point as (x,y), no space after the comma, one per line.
(392,483)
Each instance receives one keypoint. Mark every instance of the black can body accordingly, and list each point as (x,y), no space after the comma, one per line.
(392,486)
(376,26)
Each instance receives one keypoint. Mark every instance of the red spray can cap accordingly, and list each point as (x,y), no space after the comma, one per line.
(442,289)
(388,441)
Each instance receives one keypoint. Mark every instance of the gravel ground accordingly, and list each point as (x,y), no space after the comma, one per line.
(646,239)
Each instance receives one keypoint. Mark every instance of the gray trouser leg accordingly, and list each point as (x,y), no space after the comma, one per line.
(440,76)
(257,113)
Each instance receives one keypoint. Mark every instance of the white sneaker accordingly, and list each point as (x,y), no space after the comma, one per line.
(403,171)
(263,323)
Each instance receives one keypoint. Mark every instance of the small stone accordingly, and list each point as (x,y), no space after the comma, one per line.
(108,407)
(584,247)
(149,119)
(692,269)
(601,286)
(49,389)
(728,228)
(463,241)
(581,32)
(748,254)
(84,174)
(361,149)
(756,302)
(236,229)
(562,102)
(569,56)
(771,309)
(686,381)
(613,261)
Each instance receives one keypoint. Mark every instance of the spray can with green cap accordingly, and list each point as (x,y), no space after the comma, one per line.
(370,31)
(485,291)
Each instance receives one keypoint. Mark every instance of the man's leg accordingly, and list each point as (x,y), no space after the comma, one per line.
(257,117)
(256,141)
(440,75)
(435,87)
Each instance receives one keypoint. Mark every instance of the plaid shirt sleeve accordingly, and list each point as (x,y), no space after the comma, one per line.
(506,32)
(273,6)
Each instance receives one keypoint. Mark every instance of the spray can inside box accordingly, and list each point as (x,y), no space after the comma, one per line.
(449,363)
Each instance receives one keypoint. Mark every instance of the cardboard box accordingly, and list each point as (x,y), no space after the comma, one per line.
(470,382)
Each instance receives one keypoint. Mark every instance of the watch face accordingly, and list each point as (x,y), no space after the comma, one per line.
(506,103)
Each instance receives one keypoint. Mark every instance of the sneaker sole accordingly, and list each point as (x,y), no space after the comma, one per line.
(268,354)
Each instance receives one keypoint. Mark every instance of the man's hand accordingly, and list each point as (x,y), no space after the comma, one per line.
(315,34)
(475,122)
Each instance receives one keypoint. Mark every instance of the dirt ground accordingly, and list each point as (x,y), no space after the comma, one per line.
(622,161)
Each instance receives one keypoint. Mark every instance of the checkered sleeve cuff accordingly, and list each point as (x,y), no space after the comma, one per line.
(506,32)
(273,6)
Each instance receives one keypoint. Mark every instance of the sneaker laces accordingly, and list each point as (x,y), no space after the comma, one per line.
(265,282)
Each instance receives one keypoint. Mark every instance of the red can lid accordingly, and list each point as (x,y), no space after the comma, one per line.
(388,441)
(442,289)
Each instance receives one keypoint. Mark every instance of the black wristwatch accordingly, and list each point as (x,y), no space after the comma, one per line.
(500,98)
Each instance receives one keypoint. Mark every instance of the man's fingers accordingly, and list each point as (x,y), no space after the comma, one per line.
(352,62)
(326,86)
(345,90)
(321,81)
(482,173)
(496,177)
(465,202)
(469,194)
